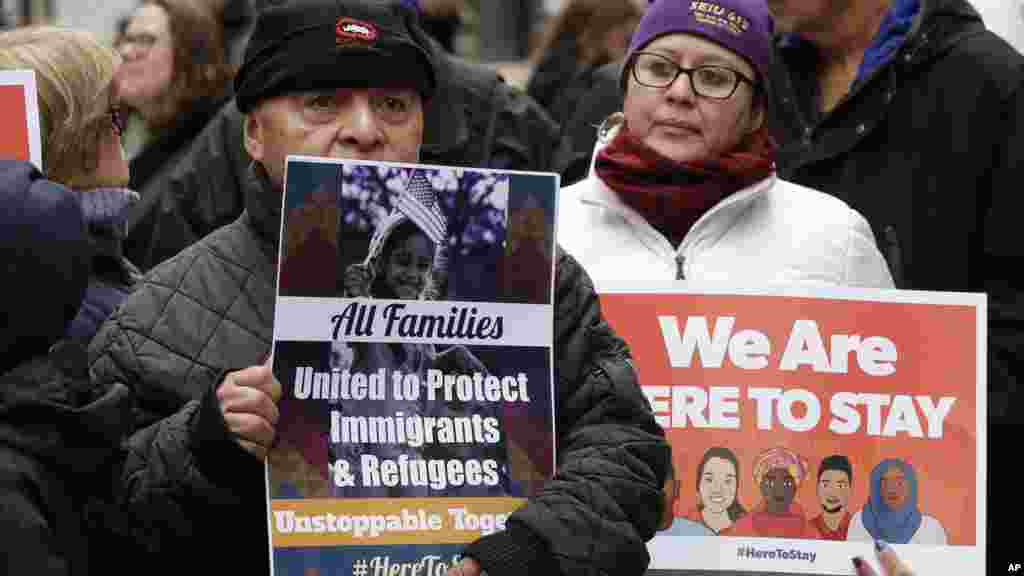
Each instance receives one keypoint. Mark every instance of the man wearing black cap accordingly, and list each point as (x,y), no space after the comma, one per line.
(348,79)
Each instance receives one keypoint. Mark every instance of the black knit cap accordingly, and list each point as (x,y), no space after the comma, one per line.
(302,45)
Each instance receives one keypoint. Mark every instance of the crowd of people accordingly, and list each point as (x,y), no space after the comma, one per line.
(869,143)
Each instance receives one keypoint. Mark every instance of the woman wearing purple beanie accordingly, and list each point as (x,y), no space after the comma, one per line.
(682,183)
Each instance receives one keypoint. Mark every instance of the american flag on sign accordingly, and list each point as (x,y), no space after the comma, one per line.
(418,202)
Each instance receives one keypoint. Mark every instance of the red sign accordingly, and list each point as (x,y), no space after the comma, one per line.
(20,139)
(837,396)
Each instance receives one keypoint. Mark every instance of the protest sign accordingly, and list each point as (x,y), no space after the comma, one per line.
(807,423)
(413,340)
(20,139)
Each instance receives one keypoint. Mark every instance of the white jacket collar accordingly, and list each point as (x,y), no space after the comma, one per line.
(600,194)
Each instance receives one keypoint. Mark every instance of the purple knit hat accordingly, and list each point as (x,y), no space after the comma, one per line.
(741,26)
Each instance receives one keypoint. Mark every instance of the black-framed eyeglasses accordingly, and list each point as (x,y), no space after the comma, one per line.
(710,81)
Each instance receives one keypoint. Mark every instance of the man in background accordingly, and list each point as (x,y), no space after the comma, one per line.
(911,112)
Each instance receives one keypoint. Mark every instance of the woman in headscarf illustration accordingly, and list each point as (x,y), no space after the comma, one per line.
(403,261)
(718,482)
(778,473)
(891,513)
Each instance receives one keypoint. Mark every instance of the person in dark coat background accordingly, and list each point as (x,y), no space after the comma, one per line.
(582,37)
(441,19)
(173,79)
(911,112)
(237,19)
(600,97)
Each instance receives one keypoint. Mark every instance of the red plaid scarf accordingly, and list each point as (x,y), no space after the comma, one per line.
(672,195)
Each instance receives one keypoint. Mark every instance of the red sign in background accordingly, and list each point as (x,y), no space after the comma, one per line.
(937,357)
(14,139)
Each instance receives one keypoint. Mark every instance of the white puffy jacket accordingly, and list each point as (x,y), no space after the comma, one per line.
(774,232)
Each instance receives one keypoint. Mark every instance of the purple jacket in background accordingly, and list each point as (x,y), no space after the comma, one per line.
(45,250)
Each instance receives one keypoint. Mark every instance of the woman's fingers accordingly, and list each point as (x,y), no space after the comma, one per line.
(891,563)
(863,568)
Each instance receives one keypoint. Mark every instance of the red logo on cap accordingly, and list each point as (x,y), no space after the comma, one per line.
(352,29)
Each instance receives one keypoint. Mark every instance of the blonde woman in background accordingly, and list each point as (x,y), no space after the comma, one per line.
(81,127)
(73,498)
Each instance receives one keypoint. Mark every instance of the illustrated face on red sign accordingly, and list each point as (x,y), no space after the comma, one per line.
(349,29)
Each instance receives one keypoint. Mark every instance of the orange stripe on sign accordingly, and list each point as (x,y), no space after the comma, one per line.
(14,137)
(383,521)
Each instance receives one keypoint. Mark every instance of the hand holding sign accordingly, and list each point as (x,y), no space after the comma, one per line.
(468,567)
(248,400)
(891,564)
